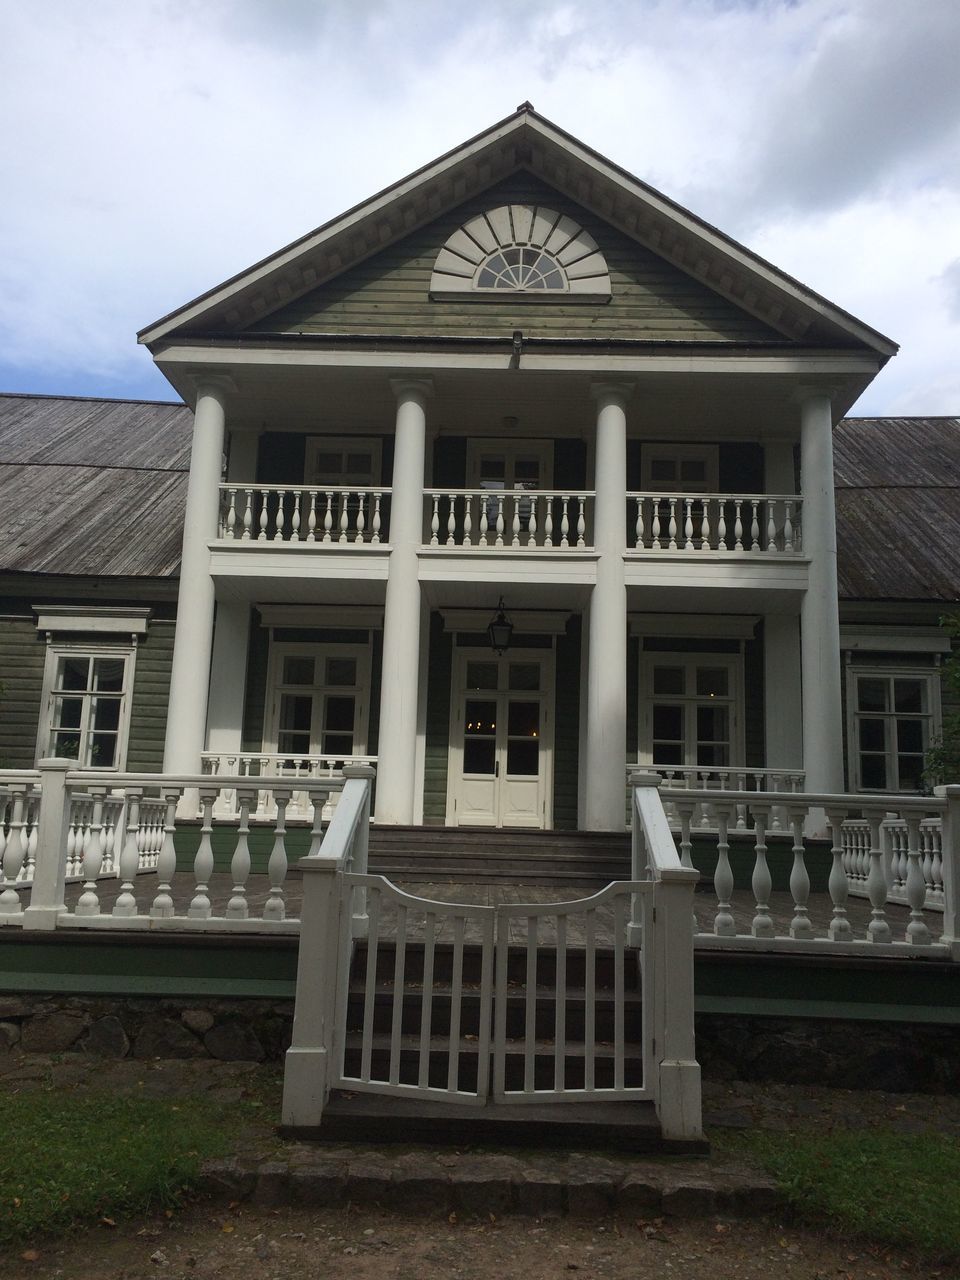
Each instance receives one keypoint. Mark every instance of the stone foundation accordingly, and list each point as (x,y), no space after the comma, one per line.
(896,1057)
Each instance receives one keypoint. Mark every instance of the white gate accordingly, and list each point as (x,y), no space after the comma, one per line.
(416,1020)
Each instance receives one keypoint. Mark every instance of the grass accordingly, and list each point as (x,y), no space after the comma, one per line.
(68,1158)
(881,1186)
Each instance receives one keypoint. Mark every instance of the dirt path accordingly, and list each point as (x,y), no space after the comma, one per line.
(342,1244)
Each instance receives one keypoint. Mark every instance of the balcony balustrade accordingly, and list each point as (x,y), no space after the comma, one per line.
(752,523)
(303,514)
(522,519)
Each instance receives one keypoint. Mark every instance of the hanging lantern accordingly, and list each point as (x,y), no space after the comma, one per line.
(500,629)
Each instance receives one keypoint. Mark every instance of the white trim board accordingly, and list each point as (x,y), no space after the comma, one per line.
(692,626)
(897,640)
(91,619)
(525,622)
(339,617)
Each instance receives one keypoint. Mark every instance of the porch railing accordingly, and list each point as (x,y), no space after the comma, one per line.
(749,522)
(866,868)
(307,514)
(895,835)
(300,771)
(522,519)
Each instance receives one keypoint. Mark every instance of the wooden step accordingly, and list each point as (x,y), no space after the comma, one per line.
(519,856)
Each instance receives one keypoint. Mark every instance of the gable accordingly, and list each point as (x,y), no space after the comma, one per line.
(389,293)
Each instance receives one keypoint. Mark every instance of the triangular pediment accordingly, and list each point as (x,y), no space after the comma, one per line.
(325,267)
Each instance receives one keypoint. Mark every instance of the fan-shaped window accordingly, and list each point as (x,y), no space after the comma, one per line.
(523,249)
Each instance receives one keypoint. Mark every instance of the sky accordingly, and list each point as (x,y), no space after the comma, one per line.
(152,148)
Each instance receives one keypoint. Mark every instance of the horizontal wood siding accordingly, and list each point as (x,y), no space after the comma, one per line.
(151,693)
(22,654)
(438,722)
(256,693)
(389,292)
(754,729)
(566,736)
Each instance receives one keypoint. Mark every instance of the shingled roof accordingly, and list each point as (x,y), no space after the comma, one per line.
(92,487)
(97,488)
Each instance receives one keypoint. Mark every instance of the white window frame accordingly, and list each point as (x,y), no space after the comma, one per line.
(57,650)
(658,452)
(319,652)
(733,662)
(857,671)
(344,444)
(510,450)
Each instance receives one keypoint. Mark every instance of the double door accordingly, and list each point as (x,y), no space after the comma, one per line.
(501,734)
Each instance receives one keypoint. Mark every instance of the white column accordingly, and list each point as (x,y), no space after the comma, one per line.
(228,679)
(189,677)
(397,763)
(781,691)
(820,615)
(606,735)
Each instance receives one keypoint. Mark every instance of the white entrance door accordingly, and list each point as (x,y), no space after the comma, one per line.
(500,764)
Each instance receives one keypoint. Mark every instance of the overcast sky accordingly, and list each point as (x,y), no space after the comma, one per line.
(152,148)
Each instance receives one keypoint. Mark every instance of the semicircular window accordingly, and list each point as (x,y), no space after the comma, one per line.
(525,249)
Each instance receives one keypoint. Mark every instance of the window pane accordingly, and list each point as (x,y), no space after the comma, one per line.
(713,724)
(712,682)
(67,713)
(105,713)
(526,471)
(293,743)
(338,744)
(360,464)
(910,769)
(479,756)
(715,754)
(65,744)
(910,736)
(339,713)
(872,737)
(108,674)
(342,671)
(523,720)
(669,680)
(493,471)
(482,675)
(523,757)
(663,470)
(908,695)
(668,723)
(872,695)
(480,718)
(524,675)
(330,465)
(667,753)
(693,471)
(298,670)
(73,673)
(296,712)
(873,772)
(103,750)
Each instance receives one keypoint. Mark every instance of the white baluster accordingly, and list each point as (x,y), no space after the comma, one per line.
(231,524)
(247,516)
(737,526)
(262,535)
(721,526)
(761,881)
(515,523)
(274,908)
(638,529)
(467,519)
(918,934)
(565,520)
(451,520)
(788,526)
(163,907)
(375,536)
(295,517)
(435,521)
(655,525)
(483,521)
(328,518)
(927,864)
(532,524)
(237,908)
(771,525)
(724,925)
(14,854)
(126,903)
(581,519)
(705,527)
(754,525)
(548,521)
(344,521)
(878,930)
(837,883)
(800,926)
(688,524)
(88,904)
(361,517)
(312,517)
(278,524)
(200,907)
(672,525)
(500,524)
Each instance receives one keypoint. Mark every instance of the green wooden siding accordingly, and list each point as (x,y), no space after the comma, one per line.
(440,672)
(151,693)
(566,735)
(389,292)
(258,656)
(22,654)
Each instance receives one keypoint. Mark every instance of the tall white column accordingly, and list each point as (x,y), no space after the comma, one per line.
(820,614)
(606,731)
(397,764)
(190,675)
(228,679)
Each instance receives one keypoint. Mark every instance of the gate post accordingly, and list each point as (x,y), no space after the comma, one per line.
(307,1068)
(678,1072)
(46,893)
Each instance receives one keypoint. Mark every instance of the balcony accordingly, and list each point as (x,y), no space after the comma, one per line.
(306,514)
(767,524)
